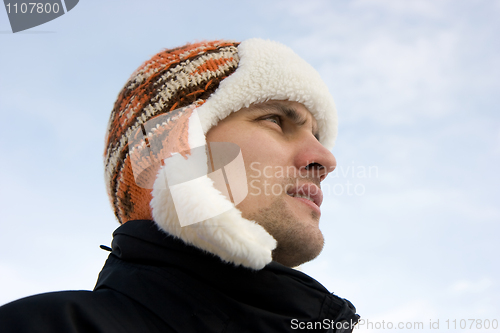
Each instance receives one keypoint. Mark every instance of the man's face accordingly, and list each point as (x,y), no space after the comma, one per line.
(285,164)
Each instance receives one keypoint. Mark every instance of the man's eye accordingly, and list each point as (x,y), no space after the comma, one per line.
(274,119)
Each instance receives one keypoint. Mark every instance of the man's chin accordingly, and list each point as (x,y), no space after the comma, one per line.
(295,228)
(290,256)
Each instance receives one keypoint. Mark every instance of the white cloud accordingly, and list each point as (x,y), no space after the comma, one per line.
(410,313)
(410,7)
(393,62)
(42,111)
(467,286)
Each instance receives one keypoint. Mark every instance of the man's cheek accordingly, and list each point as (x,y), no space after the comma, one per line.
(254,187)
(255,171)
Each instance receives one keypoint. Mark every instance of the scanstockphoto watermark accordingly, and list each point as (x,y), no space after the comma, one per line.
(348,180)
(432,324)
(366,324)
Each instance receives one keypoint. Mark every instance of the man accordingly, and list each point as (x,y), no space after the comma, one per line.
(214,156)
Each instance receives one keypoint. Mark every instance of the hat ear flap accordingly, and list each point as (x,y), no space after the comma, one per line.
(188,204)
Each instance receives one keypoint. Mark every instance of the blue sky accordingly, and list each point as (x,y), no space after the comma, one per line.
(416,86)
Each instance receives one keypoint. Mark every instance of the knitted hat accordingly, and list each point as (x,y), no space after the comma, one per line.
(169,104)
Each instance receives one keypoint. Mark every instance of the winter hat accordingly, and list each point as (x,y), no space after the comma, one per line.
(165,110)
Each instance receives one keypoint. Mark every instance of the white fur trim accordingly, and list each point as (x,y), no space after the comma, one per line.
(271,71)
(196,137)
(267,71)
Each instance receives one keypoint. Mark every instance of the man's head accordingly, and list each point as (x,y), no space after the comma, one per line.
(257,94)
(285,164)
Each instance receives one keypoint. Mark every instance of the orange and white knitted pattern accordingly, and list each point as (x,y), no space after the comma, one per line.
(169,85)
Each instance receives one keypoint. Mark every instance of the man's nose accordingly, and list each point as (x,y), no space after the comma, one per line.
(313,159)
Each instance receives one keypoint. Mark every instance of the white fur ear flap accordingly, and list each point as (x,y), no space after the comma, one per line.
(197,213)
(227,235)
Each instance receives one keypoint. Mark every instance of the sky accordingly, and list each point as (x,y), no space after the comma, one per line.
(411,215)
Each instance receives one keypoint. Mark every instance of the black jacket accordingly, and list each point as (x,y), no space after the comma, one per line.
(152,282)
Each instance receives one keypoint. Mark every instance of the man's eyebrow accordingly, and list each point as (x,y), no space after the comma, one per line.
(291,114)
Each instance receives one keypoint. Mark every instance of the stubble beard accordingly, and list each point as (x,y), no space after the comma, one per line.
(298,241)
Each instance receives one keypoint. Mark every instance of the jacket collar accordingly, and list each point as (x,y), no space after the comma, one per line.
(176,281)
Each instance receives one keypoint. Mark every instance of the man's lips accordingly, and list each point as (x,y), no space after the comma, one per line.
(309,190)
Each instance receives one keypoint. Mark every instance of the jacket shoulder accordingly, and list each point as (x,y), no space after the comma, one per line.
(76,312)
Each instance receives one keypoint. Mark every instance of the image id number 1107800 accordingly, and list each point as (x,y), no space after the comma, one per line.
(32,7)
(471,323)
